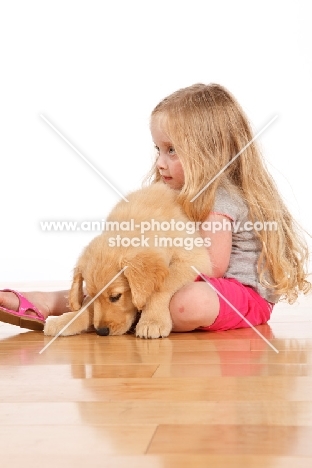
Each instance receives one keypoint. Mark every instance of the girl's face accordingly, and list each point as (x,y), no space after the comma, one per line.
(168,163)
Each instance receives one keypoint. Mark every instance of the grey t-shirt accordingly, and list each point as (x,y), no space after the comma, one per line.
(246,247)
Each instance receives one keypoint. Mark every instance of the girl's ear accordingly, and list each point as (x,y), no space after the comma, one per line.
(76,291)
(145,273)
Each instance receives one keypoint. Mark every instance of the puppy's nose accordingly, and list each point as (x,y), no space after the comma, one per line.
(102,331)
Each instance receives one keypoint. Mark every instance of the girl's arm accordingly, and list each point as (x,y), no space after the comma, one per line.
(220,243)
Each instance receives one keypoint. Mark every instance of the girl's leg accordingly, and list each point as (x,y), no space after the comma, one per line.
(198,305)
(195,305)
(49,303)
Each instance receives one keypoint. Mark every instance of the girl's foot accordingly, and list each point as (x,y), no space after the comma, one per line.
(10,301)
(31,309)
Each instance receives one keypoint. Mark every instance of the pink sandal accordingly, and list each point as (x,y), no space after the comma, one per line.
(20,317)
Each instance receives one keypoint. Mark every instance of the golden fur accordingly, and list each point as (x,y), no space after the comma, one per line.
(152,274)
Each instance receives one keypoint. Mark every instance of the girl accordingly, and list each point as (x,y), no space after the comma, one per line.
(197,132)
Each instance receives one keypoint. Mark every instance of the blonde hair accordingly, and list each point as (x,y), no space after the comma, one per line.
(207,127)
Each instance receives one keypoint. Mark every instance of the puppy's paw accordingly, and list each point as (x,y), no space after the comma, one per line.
(153,328)
(51,327)
(55,325)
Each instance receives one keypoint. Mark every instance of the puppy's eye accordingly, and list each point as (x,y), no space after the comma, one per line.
(115,298)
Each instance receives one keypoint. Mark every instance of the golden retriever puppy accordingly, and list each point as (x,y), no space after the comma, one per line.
(141,259)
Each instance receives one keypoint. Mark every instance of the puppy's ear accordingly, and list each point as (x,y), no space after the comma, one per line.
(145,273)
(76,291)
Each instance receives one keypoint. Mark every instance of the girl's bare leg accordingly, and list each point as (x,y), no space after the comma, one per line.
(194,305)
(48,302)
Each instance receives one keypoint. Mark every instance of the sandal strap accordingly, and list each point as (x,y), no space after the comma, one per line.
(25,304)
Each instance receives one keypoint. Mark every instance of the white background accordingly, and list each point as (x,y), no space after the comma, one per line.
(96,69)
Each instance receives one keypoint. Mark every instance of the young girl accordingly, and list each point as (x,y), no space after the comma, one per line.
(197,132)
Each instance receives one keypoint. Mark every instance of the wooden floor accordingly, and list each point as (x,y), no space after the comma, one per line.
(200,399)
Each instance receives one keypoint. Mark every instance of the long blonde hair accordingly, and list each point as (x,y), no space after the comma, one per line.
(207,128)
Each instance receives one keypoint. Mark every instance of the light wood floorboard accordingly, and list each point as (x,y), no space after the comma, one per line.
(191,400)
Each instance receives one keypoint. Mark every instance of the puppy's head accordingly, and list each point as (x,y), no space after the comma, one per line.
(114,312)
(117,300)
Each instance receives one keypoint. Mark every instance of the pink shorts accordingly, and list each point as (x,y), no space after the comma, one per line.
(244,299)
